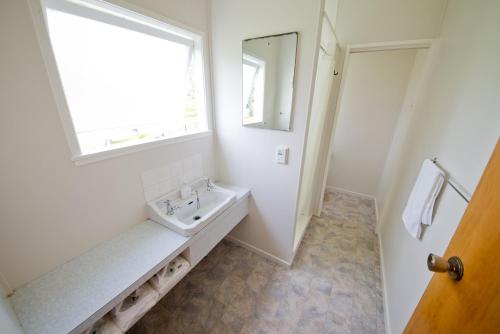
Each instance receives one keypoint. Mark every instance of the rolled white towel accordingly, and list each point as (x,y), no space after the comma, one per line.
(420,204)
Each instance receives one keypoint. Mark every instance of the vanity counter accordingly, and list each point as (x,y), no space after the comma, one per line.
(74,295)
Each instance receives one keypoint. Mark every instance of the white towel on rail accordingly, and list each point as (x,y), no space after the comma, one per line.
(420,204)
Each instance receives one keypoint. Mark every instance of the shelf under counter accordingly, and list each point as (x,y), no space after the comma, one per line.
(73,296)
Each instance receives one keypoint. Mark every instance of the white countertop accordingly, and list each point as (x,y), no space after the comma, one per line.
(79,292)
(240,192)
(65,297)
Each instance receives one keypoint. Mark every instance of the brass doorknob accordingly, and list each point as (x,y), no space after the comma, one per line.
(453,266)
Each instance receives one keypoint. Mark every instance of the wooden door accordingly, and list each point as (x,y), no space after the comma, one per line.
(471,305)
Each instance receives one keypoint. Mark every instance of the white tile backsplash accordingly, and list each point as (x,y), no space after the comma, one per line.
(151,192)
(197,166)
(165,186)
(176,169)
(164,179)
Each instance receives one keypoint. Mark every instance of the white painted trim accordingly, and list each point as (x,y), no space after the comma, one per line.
(384,287)
(317,45)
(101,12)
(99,156)
(332,121)
(392,45)
(200,38)
(259,251)
(39,19)
(297,245)
(333,188)
(344,65)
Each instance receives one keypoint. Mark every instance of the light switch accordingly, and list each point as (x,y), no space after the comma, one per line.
(282,155)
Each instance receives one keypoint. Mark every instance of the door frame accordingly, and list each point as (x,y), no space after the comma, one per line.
(358,48)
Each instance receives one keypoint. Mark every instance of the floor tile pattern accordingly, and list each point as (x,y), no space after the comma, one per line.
(333,286)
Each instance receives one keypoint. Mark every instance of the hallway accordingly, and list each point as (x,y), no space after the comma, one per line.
(333,286)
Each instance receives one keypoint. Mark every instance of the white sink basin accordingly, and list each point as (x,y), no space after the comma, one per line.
(187,219)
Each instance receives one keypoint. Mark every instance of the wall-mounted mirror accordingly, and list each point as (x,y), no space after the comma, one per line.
(268,71)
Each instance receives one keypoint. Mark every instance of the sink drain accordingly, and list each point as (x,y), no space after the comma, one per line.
(196,217)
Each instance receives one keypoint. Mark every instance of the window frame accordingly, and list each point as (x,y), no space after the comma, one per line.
(196,38)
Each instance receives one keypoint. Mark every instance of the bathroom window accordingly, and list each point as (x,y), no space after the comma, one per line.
(127,79)
(254,71)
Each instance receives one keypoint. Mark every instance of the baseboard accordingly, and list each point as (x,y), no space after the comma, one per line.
(258,251)
(333,188)
(384,287)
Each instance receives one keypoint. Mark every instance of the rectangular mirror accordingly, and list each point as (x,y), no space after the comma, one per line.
(268,71)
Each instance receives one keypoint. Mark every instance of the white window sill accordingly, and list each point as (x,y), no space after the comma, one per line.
(113,153)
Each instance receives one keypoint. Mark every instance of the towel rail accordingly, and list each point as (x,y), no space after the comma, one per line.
(463,193)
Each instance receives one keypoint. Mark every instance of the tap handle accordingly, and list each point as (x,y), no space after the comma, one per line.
(169,208)
(210,185)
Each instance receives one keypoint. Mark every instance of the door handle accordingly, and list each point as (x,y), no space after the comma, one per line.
(453,266)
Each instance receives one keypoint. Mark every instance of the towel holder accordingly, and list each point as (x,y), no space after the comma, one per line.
(452,183)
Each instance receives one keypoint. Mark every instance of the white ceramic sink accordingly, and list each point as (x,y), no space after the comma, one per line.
(187,219)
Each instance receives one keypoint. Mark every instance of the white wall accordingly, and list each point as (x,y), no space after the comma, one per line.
(424,61)
(364,21)
(52,210)
(361,22)
(246,156)
(374,90)
(458,122)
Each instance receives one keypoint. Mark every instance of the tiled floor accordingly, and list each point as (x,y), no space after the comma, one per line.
(332,287)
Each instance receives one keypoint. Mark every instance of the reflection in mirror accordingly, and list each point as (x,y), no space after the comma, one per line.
(268,71)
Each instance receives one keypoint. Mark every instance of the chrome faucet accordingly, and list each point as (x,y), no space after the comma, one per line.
(171,208)
(210,185)
(197,200)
